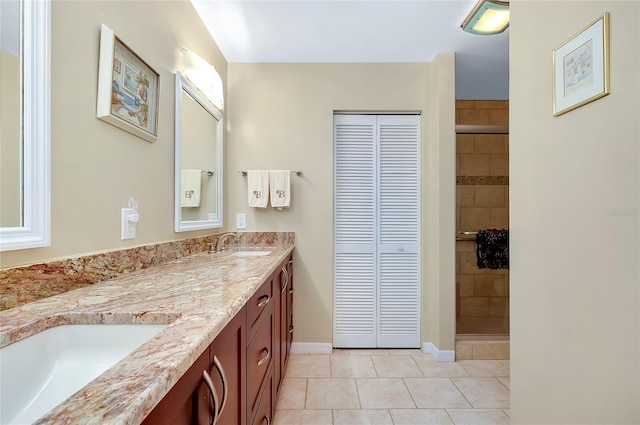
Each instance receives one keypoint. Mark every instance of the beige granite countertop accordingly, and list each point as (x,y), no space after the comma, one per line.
(197,295)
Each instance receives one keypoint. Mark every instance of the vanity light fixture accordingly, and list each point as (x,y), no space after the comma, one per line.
(487,17)
(204,76)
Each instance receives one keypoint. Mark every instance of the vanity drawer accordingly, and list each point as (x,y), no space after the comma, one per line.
(261,301)
(265,409)
(259,359)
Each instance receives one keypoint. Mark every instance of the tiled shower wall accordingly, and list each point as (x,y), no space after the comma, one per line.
(482,202)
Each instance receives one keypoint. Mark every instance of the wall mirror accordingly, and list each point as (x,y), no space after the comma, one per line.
(25,131)
(198,168)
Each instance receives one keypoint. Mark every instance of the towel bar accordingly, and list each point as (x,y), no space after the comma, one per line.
(209,172)
(298,173)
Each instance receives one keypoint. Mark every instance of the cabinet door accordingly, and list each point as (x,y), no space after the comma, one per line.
(227,369)
(280,346)
(289,317)
(187,402)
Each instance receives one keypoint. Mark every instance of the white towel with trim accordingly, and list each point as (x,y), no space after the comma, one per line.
(191,187)
(258,188)
(280,187)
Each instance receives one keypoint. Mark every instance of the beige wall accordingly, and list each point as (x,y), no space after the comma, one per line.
(280,116)
(574,203)
(96,167)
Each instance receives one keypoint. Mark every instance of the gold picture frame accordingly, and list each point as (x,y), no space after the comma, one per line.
(128,88)
(581,67)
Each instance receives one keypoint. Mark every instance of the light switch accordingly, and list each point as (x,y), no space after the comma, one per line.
(241,221)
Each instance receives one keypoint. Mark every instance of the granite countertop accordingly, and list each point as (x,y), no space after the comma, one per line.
(197,295)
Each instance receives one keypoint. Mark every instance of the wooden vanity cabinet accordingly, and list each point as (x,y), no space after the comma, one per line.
(186,403)
(283,286)
(227,360)
(247,361)
(260,349)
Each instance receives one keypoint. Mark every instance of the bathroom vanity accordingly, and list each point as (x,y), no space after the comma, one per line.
(221,357)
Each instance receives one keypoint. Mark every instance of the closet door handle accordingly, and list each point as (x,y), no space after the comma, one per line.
(291,329)
(214,395)
(264,300)
(225,386)
(265,358)
(266,418)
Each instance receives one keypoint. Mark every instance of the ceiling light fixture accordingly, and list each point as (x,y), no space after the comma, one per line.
(487,17)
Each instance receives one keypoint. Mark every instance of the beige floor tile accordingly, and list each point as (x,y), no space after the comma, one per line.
(420,416)
(506,381)
(484,368)
(488,393)
(332,393)
(506,363)
(362,417)
(292,393)
(340,352)
(478,417)
(404,351)
(368,352)
(352,366)
(396,366)
(306,417)
(432,368)
(308,366)
(433,393)
(383,393)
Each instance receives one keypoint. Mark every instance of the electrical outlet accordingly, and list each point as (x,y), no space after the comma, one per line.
(241,221)
(129,218)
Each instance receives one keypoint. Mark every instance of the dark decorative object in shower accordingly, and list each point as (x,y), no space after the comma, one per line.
(493,249)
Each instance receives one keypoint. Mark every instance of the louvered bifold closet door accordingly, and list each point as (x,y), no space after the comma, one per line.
(398,236)
(355,294)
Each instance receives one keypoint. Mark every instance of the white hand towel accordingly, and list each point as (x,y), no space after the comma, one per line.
(280,186)
(191,182)
(258,188)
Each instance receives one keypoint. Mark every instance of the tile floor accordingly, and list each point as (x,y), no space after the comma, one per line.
(395,387)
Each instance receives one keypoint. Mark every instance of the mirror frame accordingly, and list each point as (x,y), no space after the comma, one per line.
(183,84)
(36,131)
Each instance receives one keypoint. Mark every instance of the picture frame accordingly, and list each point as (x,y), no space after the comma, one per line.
(581,67)
(128,88)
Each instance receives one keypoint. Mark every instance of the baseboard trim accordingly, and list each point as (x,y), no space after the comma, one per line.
(440,355)
(311,348)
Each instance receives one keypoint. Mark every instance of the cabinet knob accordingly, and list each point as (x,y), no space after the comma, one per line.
(400,248)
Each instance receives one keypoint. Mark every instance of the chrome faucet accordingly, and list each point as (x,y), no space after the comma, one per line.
(221,240)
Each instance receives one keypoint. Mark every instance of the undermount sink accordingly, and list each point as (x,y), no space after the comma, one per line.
(43,370)
(251,253)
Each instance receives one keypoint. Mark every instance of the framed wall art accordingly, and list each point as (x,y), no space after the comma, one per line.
(581,67)
(128,88)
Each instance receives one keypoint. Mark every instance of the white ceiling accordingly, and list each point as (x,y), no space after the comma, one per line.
(360,31)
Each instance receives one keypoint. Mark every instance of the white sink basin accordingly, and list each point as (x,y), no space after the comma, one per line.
(41,371)
(251,253)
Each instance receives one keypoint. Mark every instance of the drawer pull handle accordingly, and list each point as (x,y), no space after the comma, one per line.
(214,395)
(291,329)
(265,358)
(264,300)
(225,385)
(266,418)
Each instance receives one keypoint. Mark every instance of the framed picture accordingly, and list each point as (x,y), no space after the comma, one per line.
(128,88)
(581,67)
